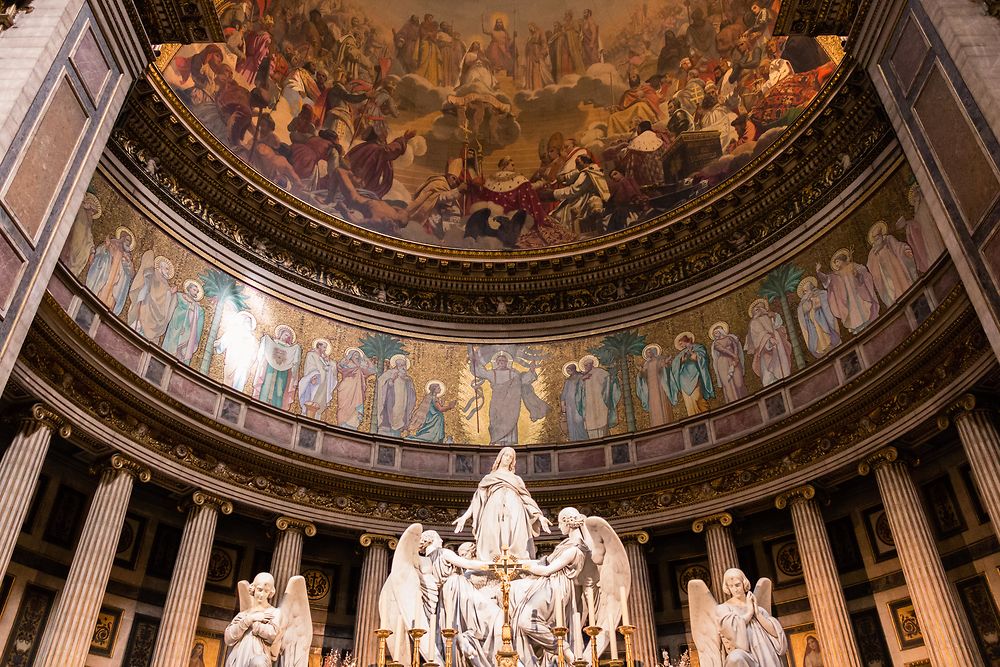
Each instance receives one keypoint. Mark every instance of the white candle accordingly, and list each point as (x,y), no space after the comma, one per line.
(577,636)
(614,643)
(624,596)
(559,610)
(590,606)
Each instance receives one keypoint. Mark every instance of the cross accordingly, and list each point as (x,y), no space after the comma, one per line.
(505,567)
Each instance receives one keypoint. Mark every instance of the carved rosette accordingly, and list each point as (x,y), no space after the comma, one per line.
(722,518)
(205,498)
(42,414)
(369,539)
(307,528)
(797,495)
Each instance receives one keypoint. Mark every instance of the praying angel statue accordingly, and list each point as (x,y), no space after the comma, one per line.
(261,633)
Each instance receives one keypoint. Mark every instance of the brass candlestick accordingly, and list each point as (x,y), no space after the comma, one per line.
(505,567)
(449,641)
(627,631)
(593,632)
(393,663)
(617,662)
(415,635)
(382,635)
(579,662)
(560,633)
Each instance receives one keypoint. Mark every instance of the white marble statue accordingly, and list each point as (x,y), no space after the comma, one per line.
(739,632)
(503,513)
(261,633)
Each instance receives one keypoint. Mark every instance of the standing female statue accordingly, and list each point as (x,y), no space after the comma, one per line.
(503,513)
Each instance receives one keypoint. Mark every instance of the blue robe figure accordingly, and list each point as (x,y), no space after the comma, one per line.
(183,334)
(570,402)
(427,423)
(690,377)
(816,320)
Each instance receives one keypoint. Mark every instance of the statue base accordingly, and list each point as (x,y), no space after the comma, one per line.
(506,658)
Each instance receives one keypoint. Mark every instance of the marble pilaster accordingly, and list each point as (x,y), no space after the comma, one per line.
(374,572)
(826,595)
(19,470)
(180,613)
(982,447)
(946,631)
(721,549)
(640,599)
(287,559)
(69,630)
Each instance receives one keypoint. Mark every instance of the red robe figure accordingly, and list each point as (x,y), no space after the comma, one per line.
(371,161)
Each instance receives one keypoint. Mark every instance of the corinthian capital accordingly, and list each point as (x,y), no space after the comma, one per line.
(721,518)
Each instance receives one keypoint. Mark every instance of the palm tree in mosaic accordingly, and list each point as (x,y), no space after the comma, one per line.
(380,347)
(778,284)
(615,352)
(223,290)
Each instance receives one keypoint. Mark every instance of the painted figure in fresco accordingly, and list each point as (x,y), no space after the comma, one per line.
(79,246)
(581,203)
(352,389)
(319,379)
(816,320)
(890,262)
(257,48)
(852,291)
(500,50)
(152,296)
(239,346)
(642,157)
(569,403)
(371,161)
(591,36)
(428,53)
(638,103)
(110,273)
(767,341)
(395,397)
(921,233)
(690,378)
(427,422)
(813,657)
(727,358)
(652,385)
(537,69)
(511,388)
(598,398)
(184,331)
(276,377)
(566,48)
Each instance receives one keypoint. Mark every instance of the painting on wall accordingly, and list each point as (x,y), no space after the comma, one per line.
(208,649)
(904,620)
(943,508)
(880,538)
(681,572)
(25,634)
(224,567)
(106,631)
(786,563)
(803,647)
(871,640)
(142,641)
(981,609)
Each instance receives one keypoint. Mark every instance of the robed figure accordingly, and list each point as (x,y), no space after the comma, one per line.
(319,379)
(728,361)
(79,246)
(891,263)
(355,368)
(276,376)
(690,378)
(427,422)
(503,513)
(921,231)
(187,323)
(852,291)
(238,345)
(395,397)
(767,340)
(110,273)
(153,298)
(511,388)
(652,385)
(569,402)
(816,320)
(598,398)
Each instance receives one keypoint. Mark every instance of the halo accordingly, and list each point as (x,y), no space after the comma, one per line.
(806,282)
(651,346)
(201,290)
(91,201)
(683,334)
(126,230)
(584,358)
(879,227)
(160,259)
(248,316)
(444,387)
(566,366)
(348,351)
(312,345)
(755,303)
(718,325)
(501,353)
(841,251)
(393,358)
(278,329)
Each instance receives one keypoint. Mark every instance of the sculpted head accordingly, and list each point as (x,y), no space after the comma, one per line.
(262,588)
(735,583)
(505,459)
(570,518)
(467,549)
(430,538)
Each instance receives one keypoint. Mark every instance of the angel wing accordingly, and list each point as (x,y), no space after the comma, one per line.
(614,576)
(762,591)
(704,625)
(297,635)
(400,604)
(243,591)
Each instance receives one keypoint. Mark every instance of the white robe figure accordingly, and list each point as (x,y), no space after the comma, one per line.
(260,633)
(319,379)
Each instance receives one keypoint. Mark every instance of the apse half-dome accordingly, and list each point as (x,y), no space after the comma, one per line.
(504,126)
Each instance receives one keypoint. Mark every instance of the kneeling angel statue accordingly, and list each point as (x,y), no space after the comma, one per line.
(739,632)
(261,634)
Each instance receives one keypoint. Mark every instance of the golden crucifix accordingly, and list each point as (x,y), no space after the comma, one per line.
(506,567)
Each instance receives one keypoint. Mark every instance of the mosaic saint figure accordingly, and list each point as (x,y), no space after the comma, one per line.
(239,345)
(598,398)
(395,397)
(690,378)
(569,403)
(352,389)
(727,358)
(319,379)
(890,262)
(153,298)
(276,377)
(511,388)
(652,385)
(767,341)
(851,291)
(79,246)
(184,331)
(816,320)
(110,273)
(921,233)
(427,422)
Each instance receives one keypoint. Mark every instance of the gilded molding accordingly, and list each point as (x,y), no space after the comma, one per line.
(722,518)
(883,457)
(369,539)
(797,495)
(41,413)
(308,528)
(122,463)
(207,499)
(638,536)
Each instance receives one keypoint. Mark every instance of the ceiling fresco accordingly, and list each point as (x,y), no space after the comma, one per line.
(498,126)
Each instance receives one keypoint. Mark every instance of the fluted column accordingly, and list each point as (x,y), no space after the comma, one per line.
(287,559)
(721,549)
(19,469)
(183,606)
(374,571)
(946,631)
(71,627)
(826,596)
(640,599)
(982,447)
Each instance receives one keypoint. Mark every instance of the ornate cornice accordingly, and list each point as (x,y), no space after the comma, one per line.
(723,519)
(307,528)
(125,464)
(42,414)
(207,499)
(827,148)
(797,495)
(370,539)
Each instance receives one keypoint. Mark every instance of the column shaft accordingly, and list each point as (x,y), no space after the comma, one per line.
(67,636)
(286,562)
(374,572)
(982,447)
(720,547)
(949,639)
(640,602)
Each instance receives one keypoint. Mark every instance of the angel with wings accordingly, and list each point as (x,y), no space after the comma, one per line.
(739,632)
(261,633)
